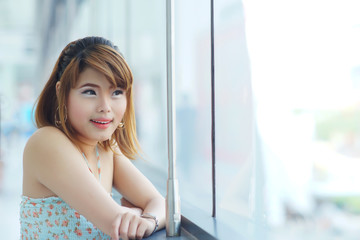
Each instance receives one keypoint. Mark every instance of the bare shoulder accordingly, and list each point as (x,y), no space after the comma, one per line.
(44,154)
(45,133)
(46,140)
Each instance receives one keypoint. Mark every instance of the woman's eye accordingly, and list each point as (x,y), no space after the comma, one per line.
(118,92)
(89,92)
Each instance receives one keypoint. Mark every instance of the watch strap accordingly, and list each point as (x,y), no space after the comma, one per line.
(151,216)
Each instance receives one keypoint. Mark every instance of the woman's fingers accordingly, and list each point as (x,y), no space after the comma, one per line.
(131,226)
(115,227)
(137,211)
(124,225)
(126,203)
(141,230)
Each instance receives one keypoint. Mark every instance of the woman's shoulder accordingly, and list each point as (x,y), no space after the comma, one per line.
(47,132)
(46,138)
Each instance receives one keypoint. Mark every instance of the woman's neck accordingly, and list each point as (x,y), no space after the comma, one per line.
(87,147)
(88,150)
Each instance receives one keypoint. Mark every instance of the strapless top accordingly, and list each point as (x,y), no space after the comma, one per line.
(53,218)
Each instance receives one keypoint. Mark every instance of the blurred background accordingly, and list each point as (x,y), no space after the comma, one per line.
(287,103)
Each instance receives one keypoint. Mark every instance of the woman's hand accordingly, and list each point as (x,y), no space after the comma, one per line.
(126,203)
(131,226)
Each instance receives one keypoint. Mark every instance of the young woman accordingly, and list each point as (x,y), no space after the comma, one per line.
(85,138)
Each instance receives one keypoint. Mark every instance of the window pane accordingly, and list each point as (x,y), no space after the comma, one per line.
(193,102)
(304,62)
(192,83)
(234,118)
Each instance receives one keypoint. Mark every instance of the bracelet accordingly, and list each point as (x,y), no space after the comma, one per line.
(148,215)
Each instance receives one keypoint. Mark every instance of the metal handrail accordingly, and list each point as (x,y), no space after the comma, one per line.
(173,215)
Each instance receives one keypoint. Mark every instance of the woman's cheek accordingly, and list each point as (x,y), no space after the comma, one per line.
(121,110)
(78,112)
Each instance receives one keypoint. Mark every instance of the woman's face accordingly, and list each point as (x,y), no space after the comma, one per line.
(95,107)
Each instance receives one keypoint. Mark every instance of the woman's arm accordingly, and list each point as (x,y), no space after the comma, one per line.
(126,203)
(59,166)
(137,189)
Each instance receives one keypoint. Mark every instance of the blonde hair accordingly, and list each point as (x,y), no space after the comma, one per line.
(101,55)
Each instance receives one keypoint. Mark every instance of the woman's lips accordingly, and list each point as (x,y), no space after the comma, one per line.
(101,123)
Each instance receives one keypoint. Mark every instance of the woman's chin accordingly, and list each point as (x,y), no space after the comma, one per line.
(103,138)
(95,136)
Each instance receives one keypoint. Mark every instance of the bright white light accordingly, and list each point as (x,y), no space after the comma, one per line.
(302,52)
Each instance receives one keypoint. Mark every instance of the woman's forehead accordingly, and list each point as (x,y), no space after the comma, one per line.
(91,76)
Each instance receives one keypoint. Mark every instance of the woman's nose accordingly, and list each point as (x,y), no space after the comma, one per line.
(104,105)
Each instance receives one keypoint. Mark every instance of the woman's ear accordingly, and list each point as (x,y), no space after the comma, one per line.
(58,88)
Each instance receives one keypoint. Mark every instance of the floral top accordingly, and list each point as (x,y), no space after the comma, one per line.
(52,218)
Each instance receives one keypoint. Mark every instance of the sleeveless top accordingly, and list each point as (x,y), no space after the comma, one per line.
(52,218)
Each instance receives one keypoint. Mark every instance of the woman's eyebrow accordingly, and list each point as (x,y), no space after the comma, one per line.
(89,85)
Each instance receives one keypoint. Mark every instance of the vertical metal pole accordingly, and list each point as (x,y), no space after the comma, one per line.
(213,156)
(173,215)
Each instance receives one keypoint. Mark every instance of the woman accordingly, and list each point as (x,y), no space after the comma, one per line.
(85,138)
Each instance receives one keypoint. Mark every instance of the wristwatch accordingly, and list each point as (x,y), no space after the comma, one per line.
(151,216)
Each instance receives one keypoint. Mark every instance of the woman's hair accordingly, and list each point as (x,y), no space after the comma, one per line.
(101,55)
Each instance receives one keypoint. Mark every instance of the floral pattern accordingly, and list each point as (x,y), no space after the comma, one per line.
(52,218)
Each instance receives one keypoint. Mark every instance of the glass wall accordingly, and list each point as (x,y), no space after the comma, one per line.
(286,104)
(304,66)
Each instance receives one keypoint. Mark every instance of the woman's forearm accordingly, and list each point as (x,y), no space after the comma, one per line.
(156,207)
